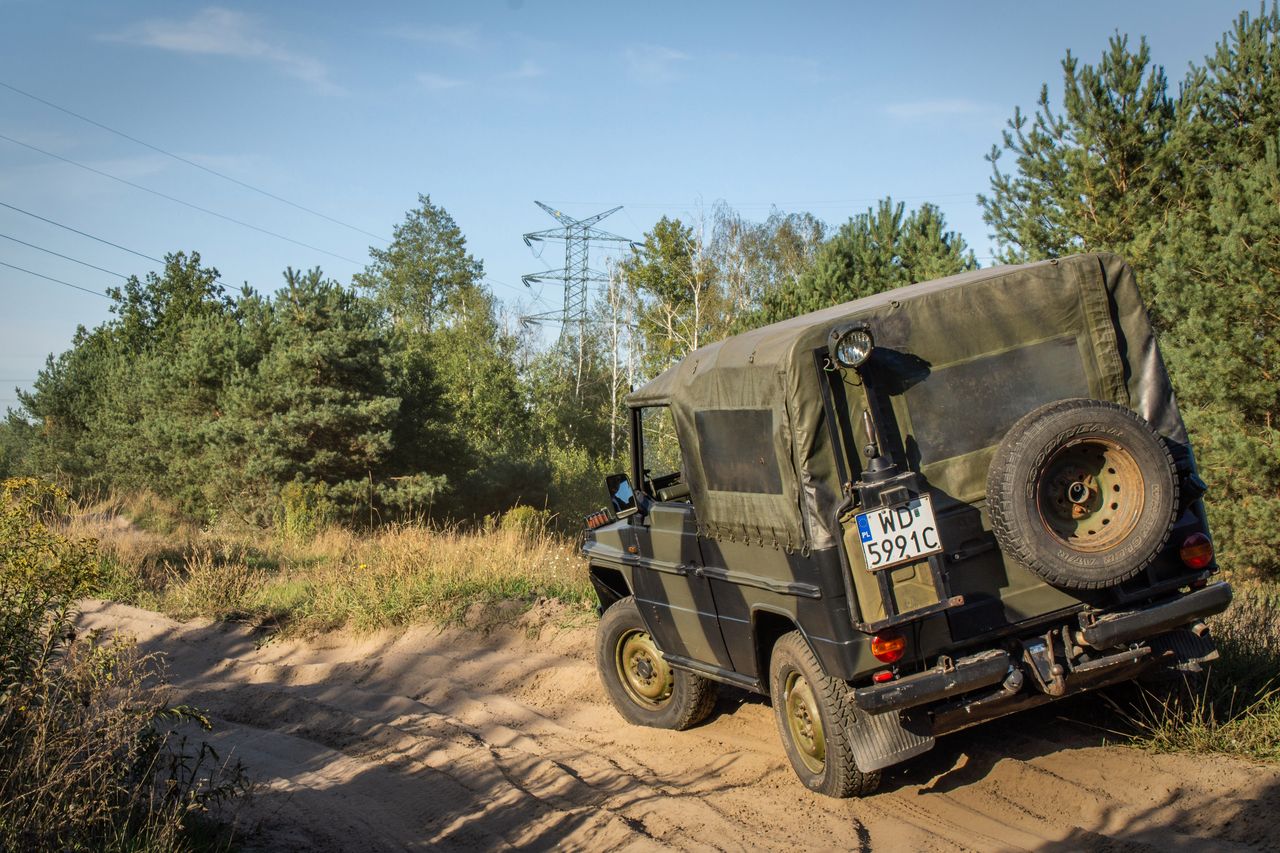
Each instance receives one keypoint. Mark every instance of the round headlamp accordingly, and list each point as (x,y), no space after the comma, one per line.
(853,347)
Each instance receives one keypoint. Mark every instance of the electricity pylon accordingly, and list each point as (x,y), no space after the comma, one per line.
(577,274)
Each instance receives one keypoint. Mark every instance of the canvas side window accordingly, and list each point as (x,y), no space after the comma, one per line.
(660,443)
(737,450)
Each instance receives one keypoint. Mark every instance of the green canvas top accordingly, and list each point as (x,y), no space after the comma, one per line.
(961,358)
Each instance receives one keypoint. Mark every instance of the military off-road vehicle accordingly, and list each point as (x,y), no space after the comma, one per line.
(905,515)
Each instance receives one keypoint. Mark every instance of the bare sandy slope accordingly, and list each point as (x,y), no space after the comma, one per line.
(453,740)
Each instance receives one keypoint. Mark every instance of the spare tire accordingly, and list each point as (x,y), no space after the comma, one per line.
(1082,492)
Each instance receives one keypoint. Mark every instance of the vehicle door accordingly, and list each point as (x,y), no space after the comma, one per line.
(670,588)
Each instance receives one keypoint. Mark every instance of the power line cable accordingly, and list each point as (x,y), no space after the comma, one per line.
(182,159)
(781,204)
(177,200)
(55,280)
(78,231)
(64,257)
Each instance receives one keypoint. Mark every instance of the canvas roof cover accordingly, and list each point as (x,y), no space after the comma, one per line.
(968,354)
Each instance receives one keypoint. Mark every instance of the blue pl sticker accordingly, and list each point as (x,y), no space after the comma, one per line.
(864,529)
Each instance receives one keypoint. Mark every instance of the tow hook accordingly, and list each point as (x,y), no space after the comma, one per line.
(1041,657)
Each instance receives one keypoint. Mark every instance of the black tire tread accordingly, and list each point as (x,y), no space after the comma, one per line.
(1000,507)
(700,705)
(693,696)
(848,780)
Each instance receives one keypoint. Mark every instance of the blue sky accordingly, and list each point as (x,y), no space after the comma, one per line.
(665,108)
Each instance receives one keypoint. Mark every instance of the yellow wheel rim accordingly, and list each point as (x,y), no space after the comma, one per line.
(804,722)
(642,670)
(1090,495)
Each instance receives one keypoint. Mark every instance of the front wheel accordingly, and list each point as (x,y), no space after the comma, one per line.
(815,721)
(641,684)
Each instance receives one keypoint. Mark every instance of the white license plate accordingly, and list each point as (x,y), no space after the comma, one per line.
(898,534)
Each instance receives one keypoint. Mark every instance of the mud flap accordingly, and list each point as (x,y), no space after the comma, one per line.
(882,740)
(1184,650)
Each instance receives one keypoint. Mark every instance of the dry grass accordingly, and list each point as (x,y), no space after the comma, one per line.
(89,755)
(397,575)
(414,573)
(1236,708)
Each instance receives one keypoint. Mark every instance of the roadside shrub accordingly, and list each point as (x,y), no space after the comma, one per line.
(89,757)
(577,484)
(526,520)
(305,509)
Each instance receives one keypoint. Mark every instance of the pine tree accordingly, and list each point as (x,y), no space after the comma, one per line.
(316,408)
(1094,176)
(1219,286)
(425,266)
(874,251)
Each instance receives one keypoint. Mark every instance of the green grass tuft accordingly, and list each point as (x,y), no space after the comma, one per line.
(1235,709)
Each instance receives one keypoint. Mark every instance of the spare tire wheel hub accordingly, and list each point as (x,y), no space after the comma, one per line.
(1091,495)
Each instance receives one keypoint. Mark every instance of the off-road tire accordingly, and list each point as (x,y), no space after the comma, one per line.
(1113,540)
(690,697)
(835,775)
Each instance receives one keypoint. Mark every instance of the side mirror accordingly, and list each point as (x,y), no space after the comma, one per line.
(622,498)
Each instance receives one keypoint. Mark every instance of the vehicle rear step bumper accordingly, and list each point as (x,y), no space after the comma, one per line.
(948,678)
(1118,629)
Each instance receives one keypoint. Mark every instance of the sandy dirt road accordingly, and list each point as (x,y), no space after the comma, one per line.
(424,739)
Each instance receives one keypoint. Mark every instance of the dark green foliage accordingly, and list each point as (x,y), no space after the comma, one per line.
(1091,176)
(872,252)
(1189,190)
(219,402)
(455,368)
(1219,283)
(316,407)
(679,295)
(16,437)
(415,278)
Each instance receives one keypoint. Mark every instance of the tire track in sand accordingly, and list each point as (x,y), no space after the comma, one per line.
(450,740)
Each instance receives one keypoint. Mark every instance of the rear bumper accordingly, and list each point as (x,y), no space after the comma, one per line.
(948,678)
(1118,629)
(1058,671)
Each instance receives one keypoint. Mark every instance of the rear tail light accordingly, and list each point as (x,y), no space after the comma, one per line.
(888,648)
(1196,551)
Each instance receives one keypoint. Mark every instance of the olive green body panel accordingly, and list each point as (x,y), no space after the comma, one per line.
(702,611)
(673,594)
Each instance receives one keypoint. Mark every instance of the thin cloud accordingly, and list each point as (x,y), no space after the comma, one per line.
(911,110)
(438,82)
(459,38)
(215,31)
(652,63)
(527,71)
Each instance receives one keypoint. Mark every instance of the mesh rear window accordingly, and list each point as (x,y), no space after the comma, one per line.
(969,406)
(737,450)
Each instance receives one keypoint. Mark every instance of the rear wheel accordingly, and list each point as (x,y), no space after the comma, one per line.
(644,688)
(815,721)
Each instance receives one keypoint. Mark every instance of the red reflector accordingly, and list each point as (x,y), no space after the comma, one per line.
(1196,551)
(882,676)
(888,647)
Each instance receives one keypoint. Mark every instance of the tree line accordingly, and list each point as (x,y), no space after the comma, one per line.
(408,392)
